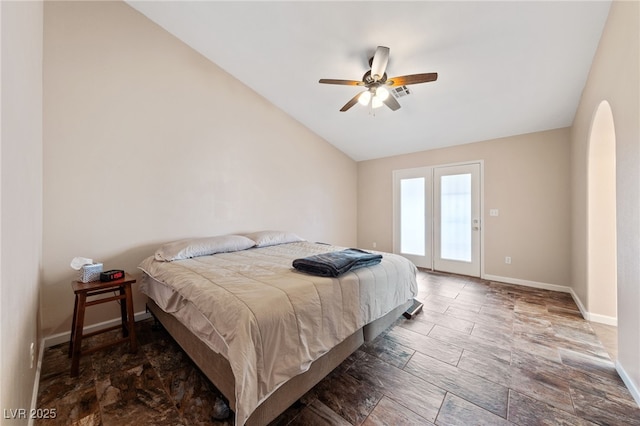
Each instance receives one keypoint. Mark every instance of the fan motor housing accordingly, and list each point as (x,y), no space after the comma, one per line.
(367,79)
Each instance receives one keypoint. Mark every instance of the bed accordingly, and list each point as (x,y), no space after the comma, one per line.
(261,331)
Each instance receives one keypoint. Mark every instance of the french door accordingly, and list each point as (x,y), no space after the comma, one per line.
(437,223)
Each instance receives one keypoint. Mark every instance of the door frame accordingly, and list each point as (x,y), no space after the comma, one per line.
(430,169)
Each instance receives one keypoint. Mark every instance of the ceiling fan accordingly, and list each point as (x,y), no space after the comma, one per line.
(376,82)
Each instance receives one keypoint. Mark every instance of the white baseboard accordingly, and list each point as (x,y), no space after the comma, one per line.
(36,385)
(527,283)
(602,319)
(633,389)
(589,316)
(585,314)
(56,339)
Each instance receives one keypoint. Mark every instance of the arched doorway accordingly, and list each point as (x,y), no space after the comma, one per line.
(601,218)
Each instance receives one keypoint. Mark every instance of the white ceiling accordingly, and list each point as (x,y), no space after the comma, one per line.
(504,68)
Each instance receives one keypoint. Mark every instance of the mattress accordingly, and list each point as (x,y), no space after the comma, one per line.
(196,322)
(269,320)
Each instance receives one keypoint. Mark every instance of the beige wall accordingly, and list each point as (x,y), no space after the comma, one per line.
(614,77)
(146,141)
(21,200)
(525,177)
(601,301)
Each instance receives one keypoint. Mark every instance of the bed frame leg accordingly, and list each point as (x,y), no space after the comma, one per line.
(157,325)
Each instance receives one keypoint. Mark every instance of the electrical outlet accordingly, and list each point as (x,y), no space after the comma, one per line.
(507,260)
(33,354)
(375,244)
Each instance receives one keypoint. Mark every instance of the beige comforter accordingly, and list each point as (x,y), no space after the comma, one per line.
(276,321)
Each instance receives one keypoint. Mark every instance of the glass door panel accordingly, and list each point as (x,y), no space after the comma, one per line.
(455,210)
(412,215)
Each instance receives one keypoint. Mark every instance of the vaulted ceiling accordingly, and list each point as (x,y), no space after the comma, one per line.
(504,68)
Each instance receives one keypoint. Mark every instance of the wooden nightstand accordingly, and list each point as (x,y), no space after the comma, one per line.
(94,288)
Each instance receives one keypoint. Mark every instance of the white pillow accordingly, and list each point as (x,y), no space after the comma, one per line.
(193,247)
(271,238)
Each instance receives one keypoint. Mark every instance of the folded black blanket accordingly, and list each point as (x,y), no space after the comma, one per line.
(336,263)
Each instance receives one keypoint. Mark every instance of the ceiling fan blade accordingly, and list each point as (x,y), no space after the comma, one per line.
(341,82)
(392,103)
(405,80)
(352,102)
(379,63)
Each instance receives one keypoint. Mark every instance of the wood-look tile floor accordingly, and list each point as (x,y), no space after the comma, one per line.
(480,353)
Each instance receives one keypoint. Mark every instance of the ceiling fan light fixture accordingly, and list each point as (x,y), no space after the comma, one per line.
(364,98)
(376,102)
(382,93)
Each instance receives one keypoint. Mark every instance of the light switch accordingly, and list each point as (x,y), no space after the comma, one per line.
(493,212)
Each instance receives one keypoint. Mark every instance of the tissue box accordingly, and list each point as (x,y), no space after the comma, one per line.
(91,272)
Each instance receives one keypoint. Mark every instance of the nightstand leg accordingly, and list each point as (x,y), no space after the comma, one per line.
(73,325)
(77,335)
(123,311)
(131,319)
